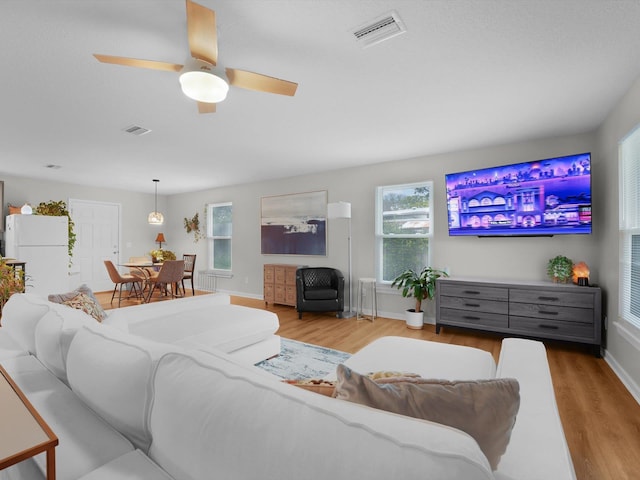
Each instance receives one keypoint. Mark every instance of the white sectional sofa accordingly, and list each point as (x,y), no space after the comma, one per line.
(128,407)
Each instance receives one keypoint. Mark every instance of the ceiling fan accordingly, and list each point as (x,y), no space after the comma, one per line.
(201,78)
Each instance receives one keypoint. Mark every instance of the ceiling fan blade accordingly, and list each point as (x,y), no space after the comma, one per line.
(206,107)
(201,32)
(259,82)
(134,62)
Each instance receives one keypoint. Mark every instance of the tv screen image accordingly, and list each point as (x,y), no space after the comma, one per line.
(538,198)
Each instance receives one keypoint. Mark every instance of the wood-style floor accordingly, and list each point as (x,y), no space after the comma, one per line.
(600,417)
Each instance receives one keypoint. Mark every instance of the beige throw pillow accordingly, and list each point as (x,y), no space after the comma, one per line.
(485,409)
(83,299)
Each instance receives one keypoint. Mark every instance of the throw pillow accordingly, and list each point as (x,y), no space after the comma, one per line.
(324,387)
(83,299)
(378,376)
(485,409)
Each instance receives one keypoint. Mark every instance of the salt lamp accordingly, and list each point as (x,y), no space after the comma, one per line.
(581,274)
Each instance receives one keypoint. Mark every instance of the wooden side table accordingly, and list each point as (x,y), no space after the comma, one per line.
(23,432)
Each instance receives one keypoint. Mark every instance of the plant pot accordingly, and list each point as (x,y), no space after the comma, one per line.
(415,320)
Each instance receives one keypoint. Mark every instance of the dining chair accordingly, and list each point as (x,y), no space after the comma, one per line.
(120,280)
(189,267)
(168,279)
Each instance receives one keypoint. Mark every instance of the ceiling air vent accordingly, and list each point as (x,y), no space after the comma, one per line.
(136,130)
(382,28)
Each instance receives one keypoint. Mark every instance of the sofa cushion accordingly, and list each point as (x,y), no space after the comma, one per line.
(223,327)
(111,372)
(86,441)
(53,336)
(83,299)
(150,311)
(427,359)
(537,441)
(485,409)
(130,466)
(212,415)
(9,348)
(20,315)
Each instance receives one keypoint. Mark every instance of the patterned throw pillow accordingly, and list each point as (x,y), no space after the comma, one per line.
(83,299)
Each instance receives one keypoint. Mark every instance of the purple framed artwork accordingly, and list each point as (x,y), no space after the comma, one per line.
(294,224)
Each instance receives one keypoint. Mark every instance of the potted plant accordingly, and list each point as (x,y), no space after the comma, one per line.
(421,286)
(58,209)
(159,255)
(560,268)
(11,281)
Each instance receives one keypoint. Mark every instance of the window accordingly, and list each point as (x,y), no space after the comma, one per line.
(219,230)
(629,174)
(403,229)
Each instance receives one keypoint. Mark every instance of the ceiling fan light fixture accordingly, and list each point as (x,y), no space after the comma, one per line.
(203,86)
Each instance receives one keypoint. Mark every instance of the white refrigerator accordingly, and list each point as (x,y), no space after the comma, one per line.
(42,242)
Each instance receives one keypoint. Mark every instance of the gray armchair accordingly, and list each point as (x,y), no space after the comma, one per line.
(319,289)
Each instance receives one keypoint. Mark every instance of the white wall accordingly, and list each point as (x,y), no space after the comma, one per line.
(498,258)
(623,343)
(136,237)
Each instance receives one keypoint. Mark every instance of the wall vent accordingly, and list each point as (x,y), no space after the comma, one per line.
(136,130)
(380,29)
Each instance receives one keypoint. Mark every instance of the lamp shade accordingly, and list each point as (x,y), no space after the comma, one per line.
(204,87)
(155,217)
(160,238)
(339,210)
(199,82)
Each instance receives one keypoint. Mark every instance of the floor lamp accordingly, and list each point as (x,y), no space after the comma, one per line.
(343,210)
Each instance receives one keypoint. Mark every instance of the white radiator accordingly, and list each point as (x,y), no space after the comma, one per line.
(207,281)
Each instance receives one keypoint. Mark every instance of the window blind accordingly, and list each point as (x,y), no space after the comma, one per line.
(629,174)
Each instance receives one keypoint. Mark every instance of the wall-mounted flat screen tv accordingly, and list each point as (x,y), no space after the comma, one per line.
(539,198)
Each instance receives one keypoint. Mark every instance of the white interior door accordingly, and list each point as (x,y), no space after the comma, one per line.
(97,227)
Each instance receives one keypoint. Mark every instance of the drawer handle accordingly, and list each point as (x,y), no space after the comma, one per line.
(548,327)
(547,312)
(549,299)
(472,305)
(472,292)
(469,317)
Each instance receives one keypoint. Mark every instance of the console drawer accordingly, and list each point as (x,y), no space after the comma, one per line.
(475,304)
(551,297)
(470,291)
(552,312)
(538,327)
(474,319)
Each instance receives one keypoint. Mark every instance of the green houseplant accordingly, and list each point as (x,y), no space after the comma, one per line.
(11,281)
(421,286)
(560,268)
(58,209)
(159,256)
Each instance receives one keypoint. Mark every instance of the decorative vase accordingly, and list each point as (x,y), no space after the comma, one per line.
(415,320)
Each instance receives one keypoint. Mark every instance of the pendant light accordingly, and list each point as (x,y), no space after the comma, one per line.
(155,217)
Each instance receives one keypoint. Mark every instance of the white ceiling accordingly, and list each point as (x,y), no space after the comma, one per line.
(467,73)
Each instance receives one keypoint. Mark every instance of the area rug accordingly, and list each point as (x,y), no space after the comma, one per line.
(299,360)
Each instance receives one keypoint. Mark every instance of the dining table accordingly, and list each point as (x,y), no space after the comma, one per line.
(145,273)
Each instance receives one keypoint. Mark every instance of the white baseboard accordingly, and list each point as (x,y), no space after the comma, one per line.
(628,382)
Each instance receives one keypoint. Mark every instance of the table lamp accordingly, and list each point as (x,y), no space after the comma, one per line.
(160,239)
